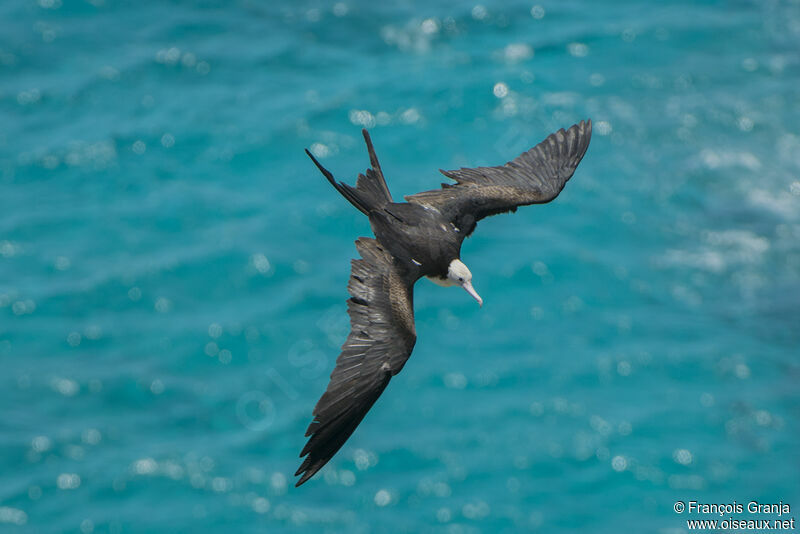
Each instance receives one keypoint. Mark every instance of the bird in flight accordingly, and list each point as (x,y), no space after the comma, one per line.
(416,238)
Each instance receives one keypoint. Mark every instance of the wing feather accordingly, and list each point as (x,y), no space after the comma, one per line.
(381,339)
(535,177)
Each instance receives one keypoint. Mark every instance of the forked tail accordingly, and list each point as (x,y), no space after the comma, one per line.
(370,192)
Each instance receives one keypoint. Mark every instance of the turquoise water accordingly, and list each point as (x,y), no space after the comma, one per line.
(173,268)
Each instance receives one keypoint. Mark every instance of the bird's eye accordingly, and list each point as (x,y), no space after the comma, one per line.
(460,279)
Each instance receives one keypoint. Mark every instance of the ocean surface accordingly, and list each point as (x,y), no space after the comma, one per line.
(173,268)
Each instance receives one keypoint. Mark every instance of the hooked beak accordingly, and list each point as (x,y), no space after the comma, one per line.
(471,290)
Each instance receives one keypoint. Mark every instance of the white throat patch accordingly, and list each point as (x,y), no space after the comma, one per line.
(457,274)
(444,282)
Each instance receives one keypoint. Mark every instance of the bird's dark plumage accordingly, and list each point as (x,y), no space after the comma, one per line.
(535,177)
(370,191)
(381,338)
(421,237)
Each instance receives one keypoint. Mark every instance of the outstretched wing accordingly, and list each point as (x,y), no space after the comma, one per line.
(382,336)
(535,177)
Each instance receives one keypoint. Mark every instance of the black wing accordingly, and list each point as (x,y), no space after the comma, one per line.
(535,177)
(382,336)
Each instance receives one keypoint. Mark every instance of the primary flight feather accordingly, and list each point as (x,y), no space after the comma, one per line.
(420,237)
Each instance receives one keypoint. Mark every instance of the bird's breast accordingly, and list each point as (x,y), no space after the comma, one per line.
(441,281)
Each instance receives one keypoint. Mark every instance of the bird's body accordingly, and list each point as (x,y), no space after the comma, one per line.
(420,237)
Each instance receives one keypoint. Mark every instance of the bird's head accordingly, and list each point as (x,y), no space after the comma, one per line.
(458,274)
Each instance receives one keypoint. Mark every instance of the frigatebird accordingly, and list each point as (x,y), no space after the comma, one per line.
(416,238)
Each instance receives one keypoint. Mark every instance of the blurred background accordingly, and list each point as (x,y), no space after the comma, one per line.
(173,268)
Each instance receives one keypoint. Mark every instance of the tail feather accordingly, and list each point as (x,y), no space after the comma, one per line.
(370,191)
